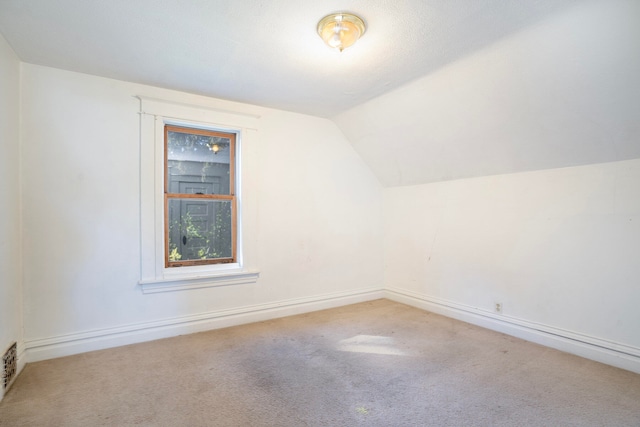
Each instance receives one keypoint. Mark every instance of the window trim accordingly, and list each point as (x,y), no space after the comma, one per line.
(153,114)
(232,196)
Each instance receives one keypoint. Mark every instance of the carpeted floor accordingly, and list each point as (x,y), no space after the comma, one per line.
(378,363)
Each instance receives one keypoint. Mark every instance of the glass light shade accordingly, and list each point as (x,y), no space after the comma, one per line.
(341,30)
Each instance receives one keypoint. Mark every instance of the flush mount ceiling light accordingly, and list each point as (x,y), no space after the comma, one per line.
(341,30)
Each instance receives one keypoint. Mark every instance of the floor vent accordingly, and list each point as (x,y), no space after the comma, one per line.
(9,365)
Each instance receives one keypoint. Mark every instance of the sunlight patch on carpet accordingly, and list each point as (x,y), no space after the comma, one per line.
(370,344)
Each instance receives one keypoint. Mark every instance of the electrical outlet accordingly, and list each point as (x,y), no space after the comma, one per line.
(498,307)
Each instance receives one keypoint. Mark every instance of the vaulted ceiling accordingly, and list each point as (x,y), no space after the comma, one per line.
(435,90)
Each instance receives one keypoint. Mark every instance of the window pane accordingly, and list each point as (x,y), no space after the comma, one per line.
(199,229)
(198,164)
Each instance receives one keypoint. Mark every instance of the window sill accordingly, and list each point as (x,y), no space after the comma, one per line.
(153,286)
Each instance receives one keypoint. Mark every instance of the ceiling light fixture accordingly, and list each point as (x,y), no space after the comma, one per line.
(341,30)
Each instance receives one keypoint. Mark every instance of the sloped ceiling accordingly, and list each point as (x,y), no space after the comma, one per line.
(435,90)
(563,92)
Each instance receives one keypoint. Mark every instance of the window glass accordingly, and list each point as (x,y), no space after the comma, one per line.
(199,229)
(198,164)
(199,197)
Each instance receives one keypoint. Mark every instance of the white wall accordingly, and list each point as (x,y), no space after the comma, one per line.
(559,249)
(313,215)
(556,247)
(10,290)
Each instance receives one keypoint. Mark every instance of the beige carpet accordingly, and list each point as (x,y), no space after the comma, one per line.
(371,364)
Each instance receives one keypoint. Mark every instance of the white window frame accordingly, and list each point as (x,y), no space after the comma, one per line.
(154,275)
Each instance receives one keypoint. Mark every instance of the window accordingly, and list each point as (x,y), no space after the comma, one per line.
(200,206)
(194,221)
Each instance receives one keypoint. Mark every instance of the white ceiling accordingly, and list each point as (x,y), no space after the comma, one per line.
(261,52)
(435,90)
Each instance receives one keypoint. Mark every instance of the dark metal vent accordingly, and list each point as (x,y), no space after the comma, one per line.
(9,365)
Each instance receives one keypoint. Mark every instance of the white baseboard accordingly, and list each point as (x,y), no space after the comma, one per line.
(66,345)
(610,353)
(615,354)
